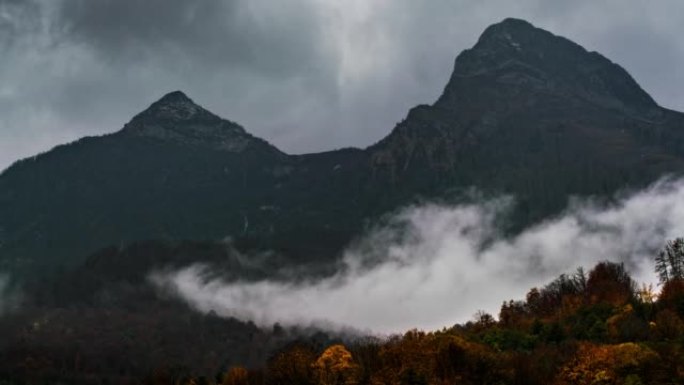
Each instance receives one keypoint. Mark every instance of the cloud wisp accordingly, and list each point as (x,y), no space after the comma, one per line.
(439,264)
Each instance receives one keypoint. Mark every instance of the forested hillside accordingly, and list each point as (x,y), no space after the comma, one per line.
(599,327)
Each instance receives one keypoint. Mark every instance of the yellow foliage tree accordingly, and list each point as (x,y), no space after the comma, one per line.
(336,366)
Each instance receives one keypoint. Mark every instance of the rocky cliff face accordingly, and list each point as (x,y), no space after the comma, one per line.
(525,113)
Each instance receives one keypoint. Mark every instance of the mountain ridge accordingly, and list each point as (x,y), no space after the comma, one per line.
(541,123)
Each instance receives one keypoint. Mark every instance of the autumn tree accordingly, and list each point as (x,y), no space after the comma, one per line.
(607,364)
(566,291)
(407,357)
(366,353)
(672,296)
(513,313)
(668,325)
(625,325)
(410,376)
(335,366)
(610,283)
(292,367)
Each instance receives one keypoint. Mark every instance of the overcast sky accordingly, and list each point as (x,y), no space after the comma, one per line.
(307,75)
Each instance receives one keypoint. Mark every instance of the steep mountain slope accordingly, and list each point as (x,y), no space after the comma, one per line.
(165,175)
(533,114)
(525,112)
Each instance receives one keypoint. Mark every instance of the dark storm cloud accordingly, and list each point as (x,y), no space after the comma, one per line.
(279,41)
(85,67)
(307,75)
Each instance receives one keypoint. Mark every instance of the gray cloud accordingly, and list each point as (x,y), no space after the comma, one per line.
(439,264)
(307,75)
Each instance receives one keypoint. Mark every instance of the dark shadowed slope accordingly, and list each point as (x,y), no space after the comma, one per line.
(525,113)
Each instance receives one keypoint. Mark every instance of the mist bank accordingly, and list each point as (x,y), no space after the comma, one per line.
(434,265)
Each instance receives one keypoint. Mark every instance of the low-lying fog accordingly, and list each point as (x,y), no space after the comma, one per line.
(440,264)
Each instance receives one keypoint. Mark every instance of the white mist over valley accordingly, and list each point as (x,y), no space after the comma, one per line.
(436,265)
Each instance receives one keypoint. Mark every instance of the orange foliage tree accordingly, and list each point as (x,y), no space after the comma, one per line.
(607,364)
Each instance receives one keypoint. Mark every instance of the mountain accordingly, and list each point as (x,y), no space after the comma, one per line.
(532,114)
(525,113)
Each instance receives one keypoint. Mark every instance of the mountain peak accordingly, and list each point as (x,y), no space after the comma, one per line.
(174,106)
(519,39)
(176,118)
(510,26)
(513,57)
(175,97)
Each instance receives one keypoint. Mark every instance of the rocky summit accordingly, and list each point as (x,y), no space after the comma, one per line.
(175,117)
(525,113)
(517,56)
